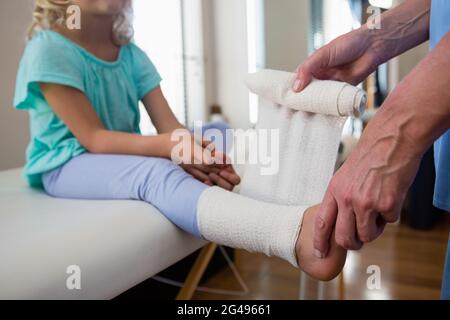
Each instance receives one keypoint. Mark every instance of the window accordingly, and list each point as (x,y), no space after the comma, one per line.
(330,19)
(255,40)
(159,32)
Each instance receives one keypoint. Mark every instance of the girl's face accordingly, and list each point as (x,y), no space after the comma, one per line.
(101,7)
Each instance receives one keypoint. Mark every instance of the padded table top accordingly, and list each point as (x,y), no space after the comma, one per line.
(115,244)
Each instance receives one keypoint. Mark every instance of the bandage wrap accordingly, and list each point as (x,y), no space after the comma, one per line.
(310,127)
(240,222)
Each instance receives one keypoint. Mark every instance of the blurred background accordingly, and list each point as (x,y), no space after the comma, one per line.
(203,49)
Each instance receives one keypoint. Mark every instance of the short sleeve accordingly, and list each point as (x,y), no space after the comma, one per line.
(47,59)
(145,74)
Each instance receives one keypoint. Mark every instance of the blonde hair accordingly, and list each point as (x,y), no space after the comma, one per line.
(49,13)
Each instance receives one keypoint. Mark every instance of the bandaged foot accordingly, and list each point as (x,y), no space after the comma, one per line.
(276,230)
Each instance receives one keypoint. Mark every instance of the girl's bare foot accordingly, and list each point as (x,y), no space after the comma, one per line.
(324,269)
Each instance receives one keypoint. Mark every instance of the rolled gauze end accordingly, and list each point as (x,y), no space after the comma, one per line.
(324,97)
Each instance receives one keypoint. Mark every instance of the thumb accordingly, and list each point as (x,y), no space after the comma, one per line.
(324,225)
(310,67)
(304,78)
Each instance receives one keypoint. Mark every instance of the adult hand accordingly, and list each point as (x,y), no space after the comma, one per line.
(353,56)
(349,58)
(369,189)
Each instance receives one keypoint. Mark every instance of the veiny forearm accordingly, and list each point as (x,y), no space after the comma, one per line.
(418,111)
(402,28)
(103,141)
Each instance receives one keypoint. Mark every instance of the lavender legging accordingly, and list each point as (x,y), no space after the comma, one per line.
(112,177)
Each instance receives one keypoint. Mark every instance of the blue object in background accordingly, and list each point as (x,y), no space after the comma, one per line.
(439,26)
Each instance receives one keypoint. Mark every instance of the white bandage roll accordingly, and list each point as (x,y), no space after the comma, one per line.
(309,124)
(240,222)
(322,97)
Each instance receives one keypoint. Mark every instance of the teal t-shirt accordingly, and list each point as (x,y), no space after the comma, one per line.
(113,88)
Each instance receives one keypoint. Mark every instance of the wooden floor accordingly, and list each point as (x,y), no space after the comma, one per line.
(411,264)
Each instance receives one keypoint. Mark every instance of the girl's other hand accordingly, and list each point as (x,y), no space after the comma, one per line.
(199,158)
(224,177)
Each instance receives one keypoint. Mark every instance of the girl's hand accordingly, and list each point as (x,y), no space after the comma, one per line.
(182,147)
(224,177)
(221,174)
(199,158)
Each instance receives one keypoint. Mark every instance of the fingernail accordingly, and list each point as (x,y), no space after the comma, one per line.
(297,84)
(318,254)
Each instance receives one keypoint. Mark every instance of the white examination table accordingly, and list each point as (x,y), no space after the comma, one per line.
(116,244)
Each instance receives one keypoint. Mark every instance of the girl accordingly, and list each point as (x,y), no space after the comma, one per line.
(82,88)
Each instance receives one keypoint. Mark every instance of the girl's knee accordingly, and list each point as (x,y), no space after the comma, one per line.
(160,166)
(157,172)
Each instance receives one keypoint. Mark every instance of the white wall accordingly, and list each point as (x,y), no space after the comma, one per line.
(209,53)
(14,19)
(286,37)
(286,33)
(410,59)
(229,59)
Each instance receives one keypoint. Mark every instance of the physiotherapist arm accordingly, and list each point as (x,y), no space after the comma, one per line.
(369,189)
(420,105)
(352,57)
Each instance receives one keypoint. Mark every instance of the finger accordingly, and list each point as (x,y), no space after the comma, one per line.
(324,224)
(208,144)
(391,212)
(356,72)
(198,174)
(229,168)
(366,225)
(208,182)
(346,234)
(381,224)
(304,78)
(221,182)
(207,168)
(220,158)
(198,138)
(201,156)
(307,70)
(231,177)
